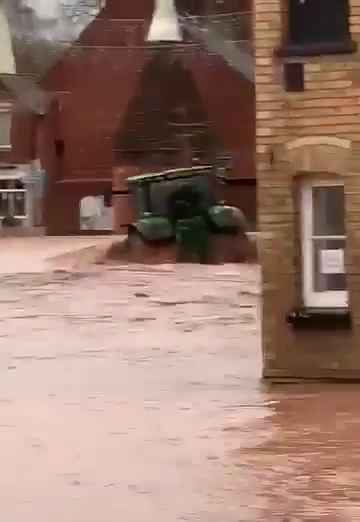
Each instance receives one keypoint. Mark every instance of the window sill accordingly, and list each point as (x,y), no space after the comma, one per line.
(320,319)
(316,49)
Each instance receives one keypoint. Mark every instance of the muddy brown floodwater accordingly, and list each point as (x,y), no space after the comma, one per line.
(133,394)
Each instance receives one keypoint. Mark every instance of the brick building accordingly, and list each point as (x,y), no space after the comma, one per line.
(19,192)
(308,163)
(122,101)
(32,38)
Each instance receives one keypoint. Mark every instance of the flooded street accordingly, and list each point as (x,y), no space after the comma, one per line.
(134,394)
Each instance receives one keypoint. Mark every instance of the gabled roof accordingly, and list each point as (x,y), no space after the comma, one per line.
(34,40)
(42,31)
(26,92)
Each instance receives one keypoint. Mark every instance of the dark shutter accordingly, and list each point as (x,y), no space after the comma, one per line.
(294,77)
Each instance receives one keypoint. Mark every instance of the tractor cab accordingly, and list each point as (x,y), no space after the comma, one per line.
(165,199)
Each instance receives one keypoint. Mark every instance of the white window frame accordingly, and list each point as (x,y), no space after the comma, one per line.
(312,299)
(6,108)
(12,192)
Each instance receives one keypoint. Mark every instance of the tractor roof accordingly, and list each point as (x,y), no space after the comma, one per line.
(167,175)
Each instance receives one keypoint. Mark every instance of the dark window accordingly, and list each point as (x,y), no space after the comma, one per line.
(191,7)
(318,21)
(318,27)
(294,77)
(19,184)
(108,198)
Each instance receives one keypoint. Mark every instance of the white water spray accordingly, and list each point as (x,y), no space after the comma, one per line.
(237,55)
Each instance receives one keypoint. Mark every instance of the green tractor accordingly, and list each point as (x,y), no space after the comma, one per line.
(180,205)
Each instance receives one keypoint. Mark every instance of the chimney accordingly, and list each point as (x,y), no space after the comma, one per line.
(165,25)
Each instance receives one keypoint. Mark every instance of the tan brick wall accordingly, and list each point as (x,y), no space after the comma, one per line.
(328,108)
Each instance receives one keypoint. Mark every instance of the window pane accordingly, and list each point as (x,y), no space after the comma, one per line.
(314,21)
(328,265)
(4,204)
(328,205)
(5,125)
(12,204)
(19,204)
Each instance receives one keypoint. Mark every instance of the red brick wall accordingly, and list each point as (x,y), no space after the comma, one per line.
(231,108)
(22,138)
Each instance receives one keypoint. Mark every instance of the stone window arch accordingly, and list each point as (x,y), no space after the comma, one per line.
(318,154)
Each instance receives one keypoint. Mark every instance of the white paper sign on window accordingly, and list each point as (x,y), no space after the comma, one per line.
(332,262)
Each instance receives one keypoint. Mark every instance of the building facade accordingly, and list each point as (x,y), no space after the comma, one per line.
(19,191)
(33,36)
(22,179)
(308,165)
(121,102)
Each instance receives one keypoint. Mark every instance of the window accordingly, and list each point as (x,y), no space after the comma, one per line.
(323,245)
(12,198)
(5,127)
(318,27)
(312,21)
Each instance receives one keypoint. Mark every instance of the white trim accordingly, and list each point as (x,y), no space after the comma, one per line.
(331,141)
(22,217)
(329,299)
(16,191)
(329,237)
